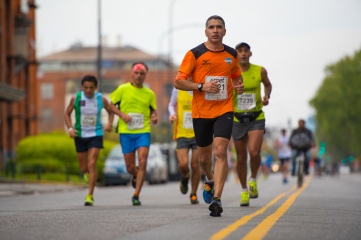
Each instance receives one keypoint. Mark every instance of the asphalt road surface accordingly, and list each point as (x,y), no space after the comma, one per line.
(324,208)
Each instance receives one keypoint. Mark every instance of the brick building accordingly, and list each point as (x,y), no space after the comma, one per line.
(60,77)
(18,67)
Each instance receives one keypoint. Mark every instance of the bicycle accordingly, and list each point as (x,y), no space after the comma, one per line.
(300,159)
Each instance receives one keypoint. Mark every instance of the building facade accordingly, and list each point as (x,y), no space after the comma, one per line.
(18,68)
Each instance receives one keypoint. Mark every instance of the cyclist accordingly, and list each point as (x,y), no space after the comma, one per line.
(301,141)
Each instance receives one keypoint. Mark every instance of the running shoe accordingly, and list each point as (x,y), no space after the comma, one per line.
(135,200)
(253,192)
(215,208)
(183,187)
(89,200)
(244,199)
(285,180)
(86,177)
(194,199)
(208,192)
(134,181)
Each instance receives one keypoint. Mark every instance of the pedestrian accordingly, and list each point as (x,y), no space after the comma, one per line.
(180,112)
(284,153)
(136,107)
(214,71)
(301,141)
(88,129)
(249,122)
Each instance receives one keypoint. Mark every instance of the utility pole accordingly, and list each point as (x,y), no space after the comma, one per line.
(99,55)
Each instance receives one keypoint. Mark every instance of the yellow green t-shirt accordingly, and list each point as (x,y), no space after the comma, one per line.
(136,102)
(251,99)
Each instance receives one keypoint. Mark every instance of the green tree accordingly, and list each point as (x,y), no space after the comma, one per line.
(338,103)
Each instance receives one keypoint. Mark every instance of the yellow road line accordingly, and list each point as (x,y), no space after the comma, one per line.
(261,229)
(222,234)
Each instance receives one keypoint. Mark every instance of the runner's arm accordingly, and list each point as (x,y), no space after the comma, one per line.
(67,118)
(267,86)
(126,118)
(172,104)
(107,107)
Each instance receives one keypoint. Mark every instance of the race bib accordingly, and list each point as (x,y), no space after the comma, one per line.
(246,101)
(88,121)
(137,121)
(222,82)
(187,120)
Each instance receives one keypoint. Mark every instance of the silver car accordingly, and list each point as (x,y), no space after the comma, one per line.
(115,171)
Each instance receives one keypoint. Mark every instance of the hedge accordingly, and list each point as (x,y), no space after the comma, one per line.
(54,152)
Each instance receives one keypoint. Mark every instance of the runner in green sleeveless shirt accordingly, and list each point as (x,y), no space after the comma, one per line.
(249,121)
(88,129)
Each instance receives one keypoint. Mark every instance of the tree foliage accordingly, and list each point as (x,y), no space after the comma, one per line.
(338,108)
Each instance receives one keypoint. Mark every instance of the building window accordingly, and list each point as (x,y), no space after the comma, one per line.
(47,91)
(47,115)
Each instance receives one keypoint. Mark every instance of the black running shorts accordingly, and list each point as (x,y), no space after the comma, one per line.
(84,144)
(205,129)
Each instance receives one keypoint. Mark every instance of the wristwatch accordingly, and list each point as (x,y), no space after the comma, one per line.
(269,96)
(200,86)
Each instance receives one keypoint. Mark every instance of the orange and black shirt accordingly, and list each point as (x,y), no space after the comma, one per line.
(203,65)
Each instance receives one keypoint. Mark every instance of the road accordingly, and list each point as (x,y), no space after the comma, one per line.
(325,208)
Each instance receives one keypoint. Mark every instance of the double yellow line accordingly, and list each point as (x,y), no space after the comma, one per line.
(261,229)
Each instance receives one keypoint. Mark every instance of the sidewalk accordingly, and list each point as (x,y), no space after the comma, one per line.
(8,188)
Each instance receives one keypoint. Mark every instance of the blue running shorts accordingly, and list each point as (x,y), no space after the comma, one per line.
(131,142)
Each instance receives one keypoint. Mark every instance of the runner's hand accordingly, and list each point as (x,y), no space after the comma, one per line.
(239,88)
(154,118)
(172,118)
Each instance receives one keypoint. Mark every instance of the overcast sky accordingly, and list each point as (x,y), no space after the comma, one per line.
(294,40)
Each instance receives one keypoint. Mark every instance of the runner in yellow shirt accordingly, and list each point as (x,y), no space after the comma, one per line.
(136,106)
(180,112)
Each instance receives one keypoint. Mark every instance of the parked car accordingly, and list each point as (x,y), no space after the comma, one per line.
(157,166)
(115,171)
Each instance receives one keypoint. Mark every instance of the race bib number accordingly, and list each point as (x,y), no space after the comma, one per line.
(88,121)
(137,121)
(246,101)
(222,82)
(187,120)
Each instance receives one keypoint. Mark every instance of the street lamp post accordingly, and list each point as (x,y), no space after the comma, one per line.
(170,39)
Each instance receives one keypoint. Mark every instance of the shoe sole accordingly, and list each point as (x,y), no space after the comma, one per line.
(207,197)
(134,183)
(215,209)
(183,190)
(254,195)
(244,204)
(88,204)
(137,204)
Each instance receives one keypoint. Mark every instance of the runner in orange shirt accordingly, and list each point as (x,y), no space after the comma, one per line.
(215,72)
